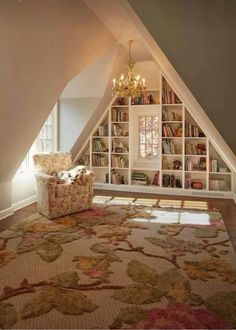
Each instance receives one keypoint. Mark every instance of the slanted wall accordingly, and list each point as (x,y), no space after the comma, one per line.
(197,37)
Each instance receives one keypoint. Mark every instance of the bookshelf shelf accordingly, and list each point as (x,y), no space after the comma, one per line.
(176,171)
(171,121)
(102,167)
(186,159)
(171,137)
(221,173)
(200,172)
(100,152)
(171,104)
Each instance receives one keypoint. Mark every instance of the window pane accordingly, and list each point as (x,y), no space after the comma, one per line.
(148,123)
(155,136)
(148,136)
(43,143)
(155,150)
(155,123)
(148,150)
(142,150)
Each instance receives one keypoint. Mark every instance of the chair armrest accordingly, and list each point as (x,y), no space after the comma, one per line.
(46,186)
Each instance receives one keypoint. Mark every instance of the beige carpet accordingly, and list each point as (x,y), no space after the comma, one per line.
(118,266)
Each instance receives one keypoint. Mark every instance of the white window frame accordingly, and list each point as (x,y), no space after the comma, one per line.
(138,162)
(27,169)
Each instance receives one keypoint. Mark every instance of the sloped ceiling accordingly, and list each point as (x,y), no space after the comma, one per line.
(92,81)
(198,38)
(44,44)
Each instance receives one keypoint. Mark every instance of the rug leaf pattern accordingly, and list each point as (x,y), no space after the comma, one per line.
(147,267)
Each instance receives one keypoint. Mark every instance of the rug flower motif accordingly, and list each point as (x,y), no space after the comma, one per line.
(124,266)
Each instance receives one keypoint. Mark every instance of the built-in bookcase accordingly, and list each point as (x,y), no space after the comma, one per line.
(186,160)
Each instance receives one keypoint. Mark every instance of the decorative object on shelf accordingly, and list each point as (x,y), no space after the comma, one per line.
(171,181)
(156,179)
(196,185)
(129,82)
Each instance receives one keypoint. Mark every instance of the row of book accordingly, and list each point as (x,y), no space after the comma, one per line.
(119,147)
(199,165)
(193,131)
(171,115)
(171,130)
(217,184)
(213,165)
(103,130)
(117,178)
(99,146)
(119,161)
(100,160)
(195,149)
(144,98)
(171,147)
(169,97)
(118,130)
(119,115)
(84,160)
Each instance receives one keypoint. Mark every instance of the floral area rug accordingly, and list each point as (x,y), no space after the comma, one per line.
(118,266)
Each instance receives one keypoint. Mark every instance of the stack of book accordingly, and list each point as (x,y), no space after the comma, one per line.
(140,178)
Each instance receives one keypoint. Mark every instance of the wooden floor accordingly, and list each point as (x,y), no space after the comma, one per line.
(227,208)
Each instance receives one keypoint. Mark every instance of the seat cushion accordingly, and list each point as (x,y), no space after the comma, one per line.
(68,189)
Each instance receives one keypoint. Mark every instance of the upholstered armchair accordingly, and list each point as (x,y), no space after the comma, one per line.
(55,199)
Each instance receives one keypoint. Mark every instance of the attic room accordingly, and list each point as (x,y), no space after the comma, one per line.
(118,167)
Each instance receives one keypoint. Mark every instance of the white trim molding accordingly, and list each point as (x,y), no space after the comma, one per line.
(6,213)
(25,202)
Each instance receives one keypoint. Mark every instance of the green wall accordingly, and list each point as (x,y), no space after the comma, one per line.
(199,39)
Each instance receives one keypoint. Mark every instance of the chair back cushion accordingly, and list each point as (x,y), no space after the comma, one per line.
(52,162)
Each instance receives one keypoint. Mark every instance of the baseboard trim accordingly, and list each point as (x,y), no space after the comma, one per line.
(165,191)
(234,197)
(25,202)
(6,213)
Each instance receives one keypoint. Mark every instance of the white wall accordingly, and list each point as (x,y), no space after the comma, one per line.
(72,118)
(23,189)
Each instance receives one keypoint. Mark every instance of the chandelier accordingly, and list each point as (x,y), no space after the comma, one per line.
(129,83)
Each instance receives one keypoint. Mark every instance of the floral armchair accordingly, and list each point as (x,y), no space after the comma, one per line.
(55,199)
